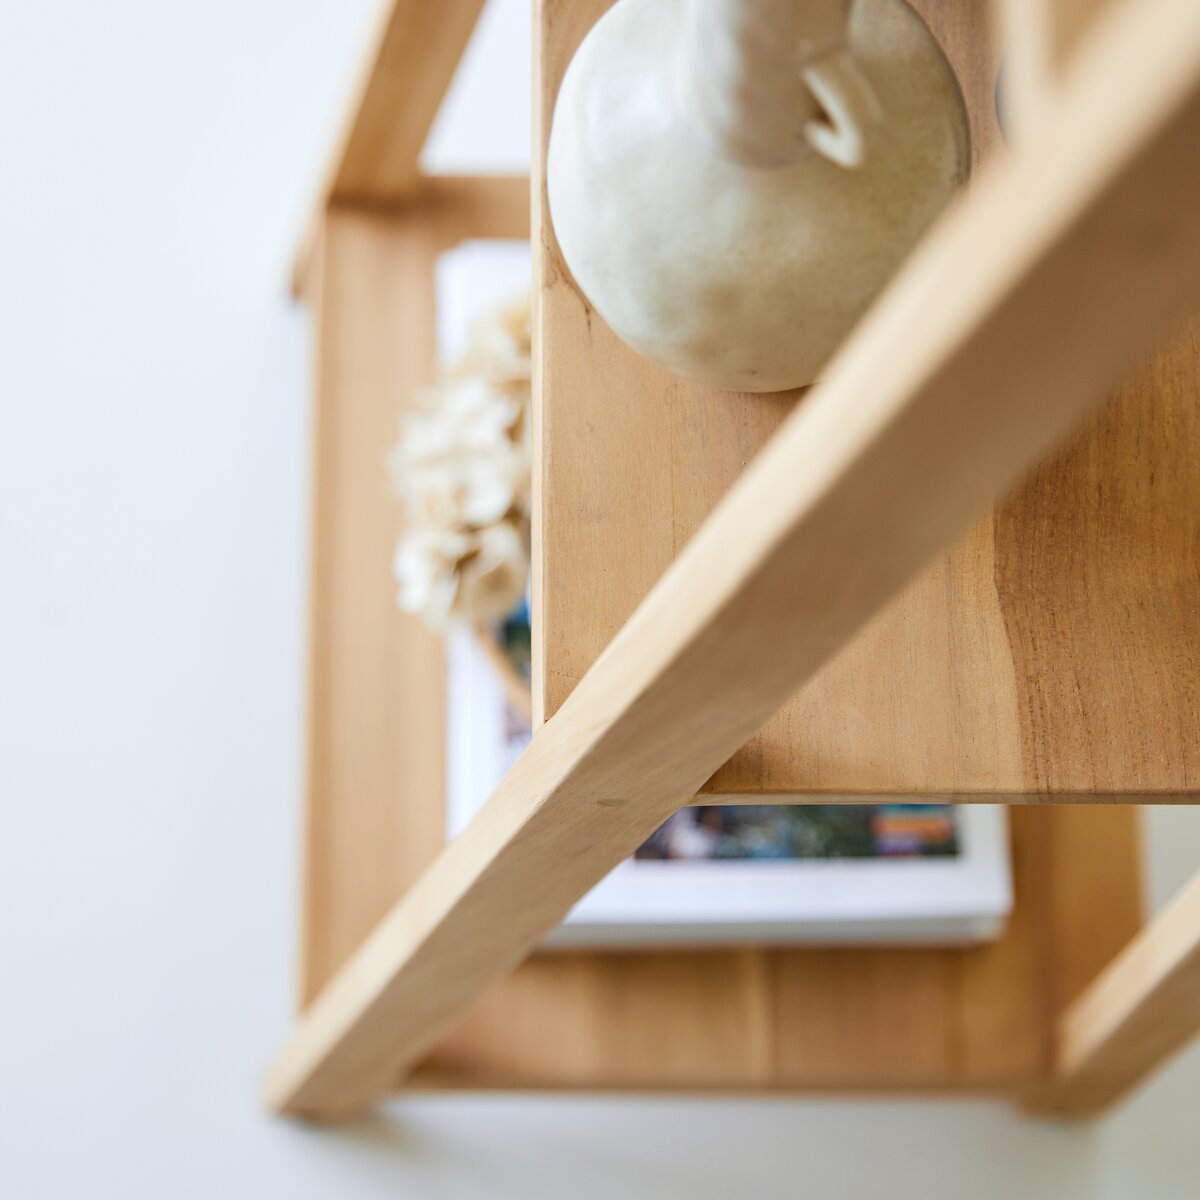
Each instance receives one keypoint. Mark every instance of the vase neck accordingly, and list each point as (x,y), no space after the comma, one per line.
(742,72)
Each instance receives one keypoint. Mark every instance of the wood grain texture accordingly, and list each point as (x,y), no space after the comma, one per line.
(1098,564)
(1143,1008)
(474,206)
(928,414)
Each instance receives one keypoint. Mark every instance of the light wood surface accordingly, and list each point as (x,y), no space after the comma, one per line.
(803,1019)
(474,206)
(376,730)
(1038,40)
(955,384)
(1125,1020)
(484,206)
(376,688)
(410,60)
(1142,1009)
(942,694)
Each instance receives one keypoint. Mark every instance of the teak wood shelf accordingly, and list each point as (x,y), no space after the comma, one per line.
(808,643)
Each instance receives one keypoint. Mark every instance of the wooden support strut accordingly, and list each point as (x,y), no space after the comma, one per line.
(1082,249)
(412,58)
(1143,1008)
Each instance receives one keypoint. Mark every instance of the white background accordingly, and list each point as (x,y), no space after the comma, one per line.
(156,161)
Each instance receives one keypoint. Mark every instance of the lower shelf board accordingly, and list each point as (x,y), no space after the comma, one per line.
(760,1019)
(431,1082)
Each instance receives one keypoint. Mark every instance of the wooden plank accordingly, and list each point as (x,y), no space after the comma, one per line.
(476,206)
(411,59)
(376,688)
(414,54)
(639,458)
(377,678)
(975,1020)
(1143,1008)
(767,1018)
(1086,863)
(617,1020)
(942,693)
(1081,251)
(1097,558)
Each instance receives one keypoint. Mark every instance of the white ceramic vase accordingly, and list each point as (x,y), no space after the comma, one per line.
(732,182)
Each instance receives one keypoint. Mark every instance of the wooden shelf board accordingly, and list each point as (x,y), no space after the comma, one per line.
(1021,663)
(975,1020)
(1141,1010)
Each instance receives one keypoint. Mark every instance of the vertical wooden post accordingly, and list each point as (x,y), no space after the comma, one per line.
(376,699)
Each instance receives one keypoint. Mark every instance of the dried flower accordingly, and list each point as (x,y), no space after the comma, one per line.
(454,577)
(462,468)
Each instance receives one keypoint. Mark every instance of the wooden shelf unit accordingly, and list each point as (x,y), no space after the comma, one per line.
(1021,665)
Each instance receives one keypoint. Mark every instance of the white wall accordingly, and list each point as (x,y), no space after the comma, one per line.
(156,161)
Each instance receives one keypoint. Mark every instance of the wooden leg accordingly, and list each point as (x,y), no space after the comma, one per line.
(377,680)
(1143,1007)
(376,723)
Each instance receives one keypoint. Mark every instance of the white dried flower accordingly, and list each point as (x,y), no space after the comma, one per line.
(500,344)
(452,577)
(426,568)
(462,468)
